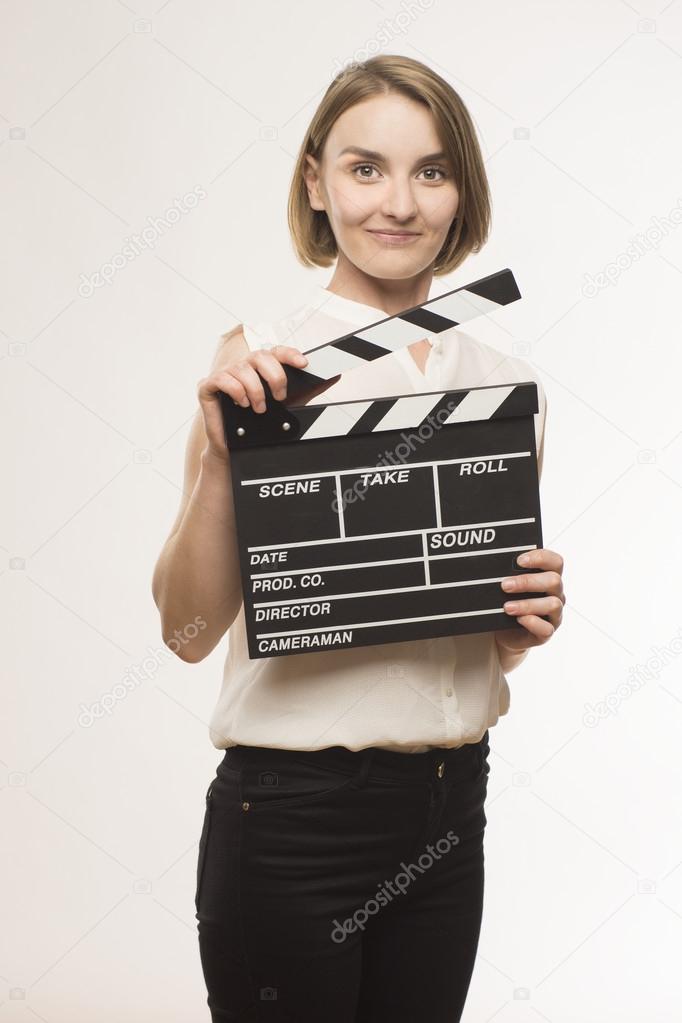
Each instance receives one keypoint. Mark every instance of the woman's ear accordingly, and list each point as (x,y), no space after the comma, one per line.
(311,176)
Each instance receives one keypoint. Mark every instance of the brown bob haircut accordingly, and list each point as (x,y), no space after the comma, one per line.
(311,232)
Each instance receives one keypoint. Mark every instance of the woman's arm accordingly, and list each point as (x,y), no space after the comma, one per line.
(197,576)
(197,572)
(509,660)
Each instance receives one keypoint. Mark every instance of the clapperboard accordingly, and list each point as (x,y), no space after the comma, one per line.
(339,548)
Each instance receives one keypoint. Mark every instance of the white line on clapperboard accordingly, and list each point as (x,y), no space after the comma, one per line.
(396,561)
(384,468)
(396,589)
(383,536)
(354,472)
(388,621)
(378,536)
(400,589)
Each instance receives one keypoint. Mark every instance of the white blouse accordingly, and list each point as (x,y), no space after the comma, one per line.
(407,696)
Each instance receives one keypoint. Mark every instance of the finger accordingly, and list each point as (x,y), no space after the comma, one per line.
(541,557)
(270,367)
(246,375)
(538,627)
(209,388)
(514,640)
(281,354)
(550,582)
(551,606)
(289,354)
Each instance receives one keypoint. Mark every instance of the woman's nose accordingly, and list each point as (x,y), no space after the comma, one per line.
(398,199)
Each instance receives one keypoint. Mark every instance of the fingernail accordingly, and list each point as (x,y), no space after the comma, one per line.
(523,559)
(508,584)
(260,407)
(511,605)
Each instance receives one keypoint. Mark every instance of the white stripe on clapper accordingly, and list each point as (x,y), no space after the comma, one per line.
(480,403)
(336,419)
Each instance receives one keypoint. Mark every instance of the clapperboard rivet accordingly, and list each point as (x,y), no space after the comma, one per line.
(240,431)
(286,426)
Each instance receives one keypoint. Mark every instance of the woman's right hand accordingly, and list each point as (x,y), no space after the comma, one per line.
(241,382)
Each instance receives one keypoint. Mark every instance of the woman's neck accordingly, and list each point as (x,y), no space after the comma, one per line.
(393,296)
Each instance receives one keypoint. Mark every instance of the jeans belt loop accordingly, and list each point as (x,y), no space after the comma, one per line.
(367,755)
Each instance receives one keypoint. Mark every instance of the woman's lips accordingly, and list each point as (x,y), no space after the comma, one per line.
(394,239)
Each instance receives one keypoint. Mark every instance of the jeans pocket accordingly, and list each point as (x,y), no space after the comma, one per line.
(268,784)
(203,845)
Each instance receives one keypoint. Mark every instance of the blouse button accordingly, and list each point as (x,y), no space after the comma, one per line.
(245,806)
(440,770)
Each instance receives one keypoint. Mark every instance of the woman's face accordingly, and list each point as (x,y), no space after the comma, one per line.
(383,169)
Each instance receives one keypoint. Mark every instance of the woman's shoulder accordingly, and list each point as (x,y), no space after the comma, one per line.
(308,325)
(292,328)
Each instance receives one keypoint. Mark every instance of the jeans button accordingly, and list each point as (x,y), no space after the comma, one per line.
(440,770)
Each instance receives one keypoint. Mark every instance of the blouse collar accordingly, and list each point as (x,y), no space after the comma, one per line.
(356,313)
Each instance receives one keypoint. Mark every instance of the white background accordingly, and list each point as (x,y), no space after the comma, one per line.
(110,111)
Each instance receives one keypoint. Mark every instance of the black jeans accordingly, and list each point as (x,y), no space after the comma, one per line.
(342,887)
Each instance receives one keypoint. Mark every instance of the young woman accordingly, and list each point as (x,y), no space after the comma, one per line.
(340,869)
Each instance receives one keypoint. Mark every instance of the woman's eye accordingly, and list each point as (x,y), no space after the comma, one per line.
(363,166)
(438,170)
(428,170)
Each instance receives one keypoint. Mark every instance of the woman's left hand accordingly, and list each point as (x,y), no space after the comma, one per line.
(536,630)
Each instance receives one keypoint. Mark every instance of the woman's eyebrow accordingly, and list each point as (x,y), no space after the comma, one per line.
(371,154)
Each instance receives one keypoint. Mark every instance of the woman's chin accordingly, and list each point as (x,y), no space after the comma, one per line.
(391,266)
